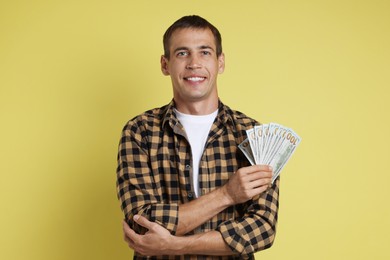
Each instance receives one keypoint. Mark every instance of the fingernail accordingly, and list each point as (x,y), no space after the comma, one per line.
(270,168)
(136,217)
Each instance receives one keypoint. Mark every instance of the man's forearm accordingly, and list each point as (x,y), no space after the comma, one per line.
(200,210)
(243,185)
(159,241)
(208,243)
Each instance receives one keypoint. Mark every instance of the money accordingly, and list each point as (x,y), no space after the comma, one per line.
(271,144)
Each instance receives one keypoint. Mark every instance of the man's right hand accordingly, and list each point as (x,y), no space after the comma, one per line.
(247,183)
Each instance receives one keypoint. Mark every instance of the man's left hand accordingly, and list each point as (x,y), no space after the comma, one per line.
(156,241)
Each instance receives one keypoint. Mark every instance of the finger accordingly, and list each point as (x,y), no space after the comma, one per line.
(125,226)
(128,240)
(128,231)
(258,191)
(131,244)
(258,175)
(143,221)
(263,167)
(260,182)
(255,168)
(127,234)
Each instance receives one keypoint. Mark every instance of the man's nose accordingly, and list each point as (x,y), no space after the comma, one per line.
(194,63)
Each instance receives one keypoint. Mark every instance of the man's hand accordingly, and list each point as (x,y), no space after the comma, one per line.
(247,183)
(157,241)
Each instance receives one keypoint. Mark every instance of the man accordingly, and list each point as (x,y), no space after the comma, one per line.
(185,189)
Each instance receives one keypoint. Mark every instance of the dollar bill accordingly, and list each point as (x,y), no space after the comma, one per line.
(271,144)
(247,151)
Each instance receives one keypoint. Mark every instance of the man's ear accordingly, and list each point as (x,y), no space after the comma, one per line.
(221,63)
(164,65)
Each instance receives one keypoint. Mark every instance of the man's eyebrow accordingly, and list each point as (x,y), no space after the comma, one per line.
(181,49)
(202,47)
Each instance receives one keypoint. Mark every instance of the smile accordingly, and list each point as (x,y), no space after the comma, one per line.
(195,79)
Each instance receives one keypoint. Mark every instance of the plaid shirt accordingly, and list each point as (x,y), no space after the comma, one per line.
(154,176)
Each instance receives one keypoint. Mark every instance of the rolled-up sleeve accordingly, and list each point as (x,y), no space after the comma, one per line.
(255,230)
(136,188)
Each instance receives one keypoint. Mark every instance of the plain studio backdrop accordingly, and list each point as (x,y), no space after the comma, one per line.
(73,72)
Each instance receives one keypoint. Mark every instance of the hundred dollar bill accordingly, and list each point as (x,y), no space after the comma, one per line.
(258,131)
(271,144)
(277,142)
(268,138)
(252,141)
(287,148)
(264,141)
(246,149)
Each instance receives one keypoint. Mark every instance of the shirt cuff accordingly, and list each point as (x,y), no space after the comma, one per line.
(166,215)
(235,240)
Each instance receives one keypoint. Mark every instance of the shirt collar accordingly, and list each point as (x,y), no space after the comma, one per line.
(169,116)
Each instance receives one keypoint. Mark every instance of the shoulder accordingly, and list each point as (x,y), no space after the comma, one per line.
(240,119)
(150,120)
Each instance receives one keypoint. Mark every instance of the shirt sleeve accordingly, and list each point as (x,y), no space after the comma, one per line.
(255,230)
(136,189)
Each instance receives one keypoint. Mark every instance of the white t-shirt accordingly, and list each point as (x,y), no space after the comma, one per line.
(197,129)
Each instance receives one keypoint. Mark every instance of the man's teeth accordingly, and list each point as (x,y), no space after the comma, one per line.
(195,78)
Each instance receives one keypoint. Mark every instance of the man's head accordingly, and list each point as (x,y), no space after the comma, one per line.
(192,22)
(193,60)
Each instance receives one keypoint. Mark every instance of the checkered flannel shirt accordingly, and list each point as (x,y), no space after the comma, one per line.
(154,177)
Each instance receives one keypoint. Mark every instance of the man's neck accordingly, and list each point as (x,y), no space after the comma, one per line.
(197,108)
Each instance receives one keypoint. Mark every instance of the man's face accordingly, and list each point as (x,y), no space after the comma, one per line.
(193,65)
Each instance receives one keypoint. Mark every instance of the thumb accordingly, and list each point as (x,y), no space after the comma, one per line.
(142,221)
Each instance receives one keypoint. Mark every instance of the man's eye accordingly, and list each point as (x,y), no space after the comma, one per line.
(182,53)
(206,52)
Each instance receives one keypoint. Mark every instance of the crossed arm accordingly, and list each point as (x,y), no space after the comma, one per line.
(246,183)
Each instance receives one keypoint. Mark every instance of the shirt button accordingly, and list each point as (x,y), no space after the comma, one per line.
(190,195)
(188,166)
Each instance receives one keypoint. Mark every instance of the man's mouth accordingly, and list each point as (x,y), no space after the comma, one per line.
(195,78)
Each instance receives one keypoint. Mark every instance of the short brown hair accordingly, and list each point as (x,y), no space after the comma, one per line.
(191,21)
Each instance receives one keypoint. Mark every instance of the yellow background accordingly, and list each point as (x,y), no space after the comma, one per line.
(73,72)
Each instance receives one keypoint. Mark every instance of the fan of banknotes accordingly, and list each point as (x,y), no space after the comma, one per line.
(270,144)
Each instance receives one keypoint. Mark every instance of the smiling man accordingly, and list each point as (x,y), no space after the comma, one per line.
(193,64)
(186,190)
